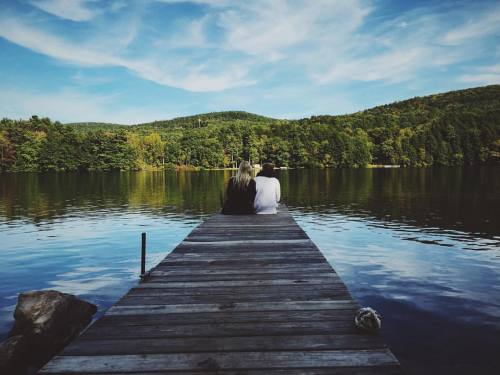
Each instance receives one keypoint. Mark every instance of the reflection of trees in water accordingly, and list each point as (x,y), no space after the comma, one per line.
(45,196)
(449,198)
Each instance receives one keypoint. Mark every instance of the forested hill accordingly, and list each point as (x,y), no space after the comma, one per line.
(194,121)
(454,128)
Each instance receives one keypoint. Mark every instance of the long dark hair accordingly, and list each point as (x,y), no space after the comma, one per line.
(267,170)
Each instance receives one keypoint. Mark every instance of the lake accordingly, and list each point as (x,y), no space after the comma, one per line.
(421,246)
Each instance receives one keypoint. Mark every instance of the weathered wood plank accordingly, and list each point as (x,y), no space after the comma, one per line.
(230,255)
(245,232)
(159,298)
(289,270)
(213,223)
(313,266)
(229,232)
(329,280)
(369,370)
(226,317)
(237,262)
(222,242)
(244,229)
(164,289)
(222,344)
(220,360)
(223,277)
(302,244)
(240,306)
(224,329)
(242,256)
(163,278)
(245,250)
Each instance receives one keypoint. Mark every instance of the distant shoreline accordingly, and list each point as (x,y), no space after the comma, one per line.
(199,169)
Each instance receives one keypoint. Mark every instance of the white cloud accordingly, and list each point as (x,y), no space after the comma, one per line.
(54,46)
(268,29)
(192,35)
(393,66)
(484,23)
(239,43)
(194,79)
(18,103)
(83,79)
(165,71)
(116,6)
(71,106)
(482,79)
(486,75)
(74,10)
(215,3)
(398,49)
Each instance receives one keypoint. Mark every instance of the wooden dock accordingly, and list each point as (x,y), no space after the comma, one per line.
(240,295)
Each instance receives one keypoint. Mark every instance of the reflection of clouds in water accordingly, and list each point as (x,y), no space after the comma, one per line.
(375,257)
(7,309)
(86,285)
(134,268)
(82,271)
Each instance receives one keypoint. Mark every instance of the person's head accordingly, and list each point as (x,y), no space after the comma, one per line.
(267,169)
(244,175)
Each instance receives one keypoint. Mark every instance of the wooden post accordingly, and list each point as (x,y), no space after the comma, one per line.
(143,254)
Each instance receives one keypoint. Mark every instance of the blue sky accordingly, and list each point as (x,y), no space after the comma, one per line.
(136,61)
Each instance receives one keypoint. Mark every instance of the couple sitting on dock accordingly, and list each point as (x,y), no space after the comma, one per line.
(247,195)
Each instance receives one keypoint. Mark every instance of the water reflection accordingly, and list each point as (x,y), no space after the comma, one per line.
(43,197)
(405,241)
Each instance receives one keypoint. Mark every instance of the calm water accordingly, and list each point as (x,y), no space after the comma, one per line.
(421,246)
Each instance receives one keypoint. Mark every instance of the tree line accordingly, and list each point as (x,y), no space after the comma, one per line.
(451,129)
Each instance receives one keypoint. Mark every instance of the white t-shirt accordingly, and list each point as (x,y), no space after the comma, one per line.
(268,195)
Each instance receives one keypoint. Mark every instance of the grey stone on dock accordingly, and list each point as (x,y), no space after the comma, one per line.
(45,322)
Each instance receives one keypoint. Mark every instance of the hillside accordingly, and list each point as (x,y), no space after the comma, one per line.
(487,97)
(454,128)
(89,126)
(419,110)
(194,121)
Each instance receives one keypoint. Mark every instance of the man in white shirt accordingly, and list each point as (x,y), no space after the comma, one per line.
(268,190)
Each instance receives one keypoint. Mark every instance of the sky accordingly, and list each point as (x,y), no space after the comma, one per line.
(143,60)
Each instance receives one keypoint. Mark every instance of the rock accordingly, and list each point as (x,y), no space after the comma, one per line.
(368,319)
(13,351)
(45,322)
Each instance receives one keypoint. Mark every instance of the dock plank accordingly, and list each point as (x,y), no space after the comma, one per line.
(222,344)
(224,329)
(247,294)
(225,317)
(221,360)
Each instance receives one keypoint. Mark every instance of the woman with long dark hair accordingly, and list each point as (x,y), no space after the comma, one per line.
(240,193)
(268,190)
